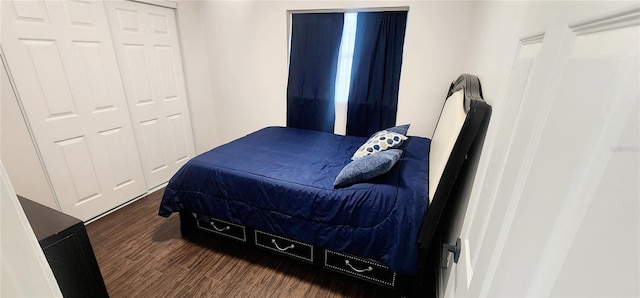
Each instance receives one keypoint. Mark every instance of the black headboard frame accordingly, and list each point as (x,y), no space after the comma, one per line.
(478,113)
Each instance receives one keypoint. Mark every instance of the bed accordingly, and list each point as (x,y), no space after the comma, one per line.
(276,189)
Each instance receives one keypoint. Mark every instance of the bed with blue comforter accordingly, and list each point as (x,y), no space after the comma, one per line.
(280,180)
(274,189)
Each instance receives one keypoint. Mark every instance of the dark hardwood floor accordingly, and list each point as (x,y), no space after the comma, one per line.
(143,255)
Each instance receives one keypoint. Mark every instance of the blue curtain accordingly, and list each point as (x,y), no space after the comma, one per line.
(375,75)
(315,41)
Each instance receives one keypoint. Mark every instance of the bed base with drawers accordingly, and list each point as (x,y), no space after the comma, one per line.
(424,282)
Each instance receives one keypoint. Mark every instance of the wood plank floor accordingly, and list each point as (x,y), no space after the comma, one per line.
(143,255)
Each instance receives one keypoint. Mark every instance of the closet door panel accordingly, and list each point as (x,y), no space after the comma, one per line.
(61,58)
(148,52)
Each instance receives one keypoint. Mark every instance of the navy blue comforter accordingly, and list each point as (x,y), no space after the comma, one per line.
(280,180)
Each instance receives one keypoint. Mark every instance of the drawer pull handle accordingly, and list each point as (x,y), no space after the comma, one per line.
(219,229)
(346,262)
(279,248)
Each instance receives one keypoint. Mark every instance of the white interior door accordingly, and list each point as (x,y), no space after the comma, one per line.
(24,270)
(148,51)
(556,213)
(61,58)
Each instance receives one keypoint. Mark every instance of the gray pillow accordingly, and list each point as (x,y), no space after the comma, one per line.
(367,167)
(401,129)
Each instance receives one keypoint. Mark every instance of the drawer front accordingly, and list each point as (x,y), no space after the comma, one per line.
(285,246)
(359,267)
(223,228)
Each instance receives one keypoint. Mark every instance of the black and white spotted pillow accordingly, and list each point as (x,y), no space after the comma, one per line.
(379,141)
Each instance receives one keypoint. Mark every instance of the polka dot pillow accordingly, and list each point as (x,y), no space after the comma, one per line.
(379,141)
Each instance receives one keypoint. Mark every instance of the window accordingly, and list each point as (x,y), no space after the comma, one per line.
(344,71)
(343,77)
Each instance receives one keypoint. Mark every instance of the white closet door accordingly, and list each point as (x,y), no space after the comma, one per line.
(148,51)
(61,58)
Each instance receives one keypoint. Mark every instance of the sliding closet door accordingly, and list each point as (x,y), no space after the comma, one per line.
(61,58)
(148,51)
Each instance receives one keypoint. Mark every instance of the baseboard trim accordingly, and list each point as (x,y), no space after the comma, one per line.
(101,215)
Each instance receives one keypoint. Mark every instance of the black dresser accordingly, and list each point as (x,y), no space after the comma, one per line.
(66,246)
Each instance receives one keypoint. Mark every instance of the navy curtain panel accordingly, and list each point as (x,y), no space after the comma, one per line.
(315,42)
(375,74)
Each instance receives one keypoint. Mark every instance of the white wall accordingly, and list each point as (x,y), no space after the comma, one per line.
(192,29)
(248,44)
(493,46)
(18,152)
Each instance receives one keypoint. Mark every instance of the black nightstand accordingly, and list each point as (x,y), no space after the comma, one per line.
(66,246)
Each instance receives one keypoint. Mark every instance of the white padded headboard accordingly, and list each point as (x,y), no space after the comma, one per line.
(444,138)
(459,133)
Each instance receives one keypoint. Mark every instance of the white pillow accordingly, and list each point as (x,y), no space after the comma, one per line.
(379,141)
(444,138)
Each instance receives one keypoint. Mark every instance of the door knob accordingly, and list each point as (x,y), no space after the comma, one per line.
(455,249)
